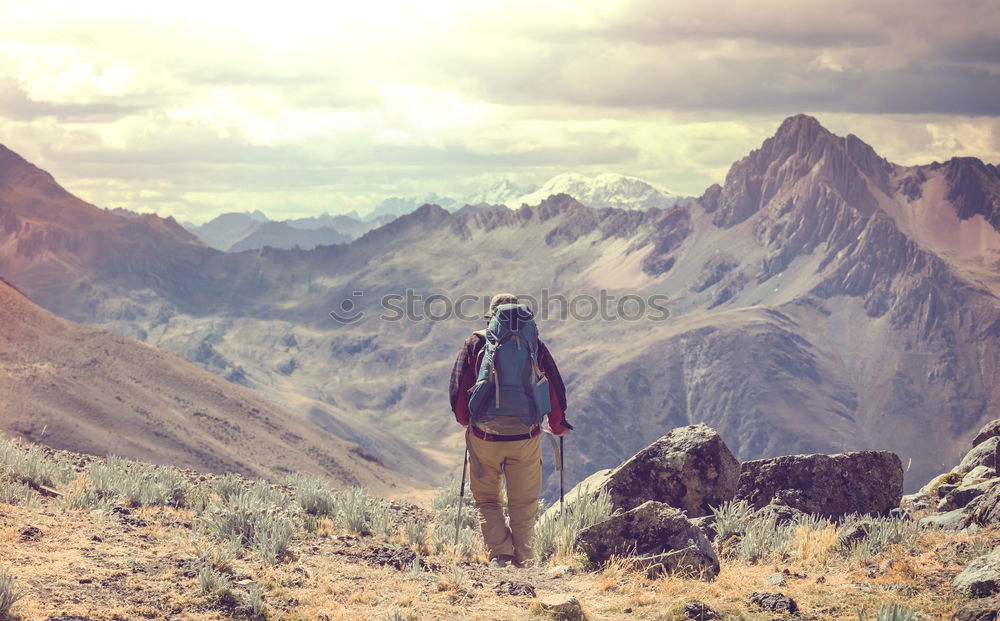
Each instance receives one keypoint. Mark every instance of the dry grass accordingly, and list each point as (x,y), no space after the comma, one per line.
(145,565)
(92,564)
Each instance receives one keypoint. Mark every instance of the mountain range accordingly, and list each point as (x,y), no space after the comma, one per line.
(821,299)
(239,231)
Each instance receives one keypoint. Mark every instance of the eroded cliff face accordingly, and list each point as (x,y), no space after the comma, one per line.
(813,308)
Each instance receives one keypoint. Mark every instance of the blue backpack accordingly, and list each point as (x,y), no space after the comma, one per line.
(509,382)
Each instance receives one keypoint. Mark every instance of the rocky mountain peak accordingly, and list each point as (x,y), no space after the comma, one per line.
(801,150)
(801,129)
(974,188)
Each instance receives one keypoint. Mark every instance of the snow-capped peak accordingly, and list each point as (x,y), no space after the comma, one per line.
(604,190)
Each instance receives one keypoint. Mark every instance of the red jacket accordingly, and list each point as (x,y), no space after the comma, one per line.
(463,377)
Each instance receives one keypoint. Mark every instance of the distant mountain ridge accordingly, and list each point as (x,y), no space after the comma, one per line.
(822,299)
(238,232)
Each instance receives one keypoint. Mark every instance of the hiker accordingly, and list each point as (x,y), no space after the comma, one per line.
(502,412)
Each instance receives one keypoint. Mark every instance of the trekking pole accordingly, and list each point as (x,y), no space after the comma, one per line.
(461,495)
(562,475)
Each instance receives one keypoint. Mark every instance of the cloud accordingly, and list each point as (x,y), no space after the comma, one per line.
(203,106)
(15,104)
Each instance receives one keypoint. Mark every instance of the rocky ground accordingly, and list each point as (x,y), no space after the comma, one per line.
(120,562)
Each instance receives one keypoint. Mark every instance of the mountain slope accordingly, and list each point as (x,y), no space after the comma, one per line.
(812,309)
(86,390)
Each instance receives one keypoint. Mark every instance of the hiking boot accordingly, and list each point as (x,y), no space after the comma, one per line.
(501,561)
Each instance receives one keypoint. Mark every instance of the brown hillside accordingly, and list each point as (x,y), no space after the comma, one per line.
(77,388)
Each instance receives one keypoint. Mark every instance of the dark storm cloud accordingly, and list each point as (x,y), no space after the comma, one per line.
(760,57)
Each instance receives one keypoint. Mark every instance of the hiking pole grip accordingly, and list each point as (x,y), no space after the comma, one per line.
(461,495)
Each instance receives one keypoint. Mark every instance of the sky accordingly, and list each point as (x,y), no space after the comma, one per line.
(193,109)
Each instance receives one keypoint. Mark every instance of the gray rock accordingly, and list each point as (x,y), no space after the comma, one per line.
(563,607)
(866,482)
(657,536)
(943,490)
(982,577)
(776,579)
(989,430)
(853,534)
(706,524)
(982,455)
(962,495)
(984,510)
(987,609)
(781,514)
(690,468)
(951,521)
(977,474)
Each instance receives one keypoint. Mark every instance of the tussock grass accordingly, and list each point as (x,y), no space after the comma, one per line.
(555,534)
(17,493)
(446,517)
(9,594)
(255,518)
(313,495)
(890,612)
(29,464)
(137,484)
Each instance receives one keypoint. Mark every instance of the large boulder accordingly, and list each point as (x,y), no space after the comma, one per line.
(989,430)
(658,536)
(690,468)
(982,577)
(984,509)
(866,482)
(983,454)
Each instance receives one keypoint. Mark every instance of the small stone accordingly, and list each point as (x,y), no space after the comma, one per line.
(31,533)
(515,588)
(698,611)
(559,571)
(774,602)
(775,579)
(563,607)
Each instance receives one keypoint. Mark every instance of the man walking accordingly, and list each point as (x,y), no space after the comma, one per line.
(503,424)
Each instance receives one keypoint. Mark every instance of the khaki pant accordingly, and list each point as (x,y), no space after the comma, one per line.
(520,463)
